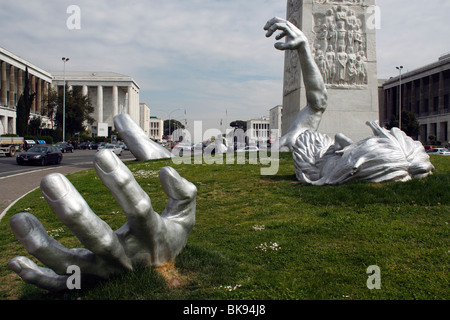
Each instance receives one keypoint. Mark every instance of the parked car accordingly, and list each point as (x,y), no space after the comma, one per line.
(123,145)
(182,148)
(88,146)
(198,148)
(64,147)
(113,147)
(40,154)
(248,149)
(27,144)
(83,146)
(101,145)
(441,151)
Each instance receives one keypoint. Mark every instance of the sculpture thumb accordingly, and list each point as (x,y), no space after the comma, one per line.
(182,198)
(140,145)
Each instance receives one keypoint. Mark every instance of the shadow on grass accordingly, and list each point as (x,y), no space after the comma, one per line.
(204,270)
(427,191)
(282,177)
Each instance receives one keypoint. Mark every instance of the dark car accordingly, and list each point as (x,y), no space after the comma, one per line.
(40,154)
(88,146)
(64,147)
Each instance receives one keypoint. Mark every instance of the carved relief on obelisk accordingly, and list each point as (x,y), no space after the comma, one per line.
(343,42)
(339,43)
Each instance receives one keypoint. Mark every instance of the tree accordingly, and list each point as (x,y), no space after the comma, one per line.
(239,124)
(35,125)
(432,139)
(24,107)
(410,125)
(174,125)
(51,106)
(78,111)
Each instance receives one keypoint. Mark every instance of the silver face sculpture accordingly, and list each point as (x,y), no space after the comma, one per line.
(321,160)
(146,239)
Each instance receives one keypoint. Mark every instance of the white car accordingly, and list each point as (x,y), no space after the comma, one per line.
(248,149)
(182,148)
(442,151)
(113,147)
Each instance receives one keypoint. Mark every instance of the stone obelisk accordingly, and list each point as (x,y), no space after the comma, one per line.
(342,37)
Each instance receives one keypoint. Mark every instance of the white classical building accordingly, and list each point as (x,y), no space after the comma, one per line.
(12,82)
(426,93)
(110,93)
(144,115)
(156,129)
(258,129)
(275,126)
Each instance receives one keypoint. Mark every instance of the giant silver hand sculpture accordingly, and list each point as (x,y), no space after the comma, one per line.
(146,239)
(318,159)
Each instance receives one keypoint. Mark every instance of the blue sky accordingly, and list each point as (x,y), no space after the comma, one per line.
(208,57)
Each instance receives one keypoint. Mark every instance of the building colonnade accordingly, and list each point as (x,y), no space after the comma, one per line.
(109,94)
(424,92)
(12,82)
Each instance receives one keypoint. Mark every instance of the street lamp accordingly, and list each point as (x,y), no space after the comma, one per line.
(64,59)
(400,98)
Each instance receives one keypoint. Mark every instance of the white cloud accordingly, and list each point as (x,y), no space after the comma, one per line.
(412,34)
(202,55)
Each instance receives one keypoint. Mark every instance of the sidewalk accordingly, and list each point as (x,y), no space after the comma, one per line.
(16,186)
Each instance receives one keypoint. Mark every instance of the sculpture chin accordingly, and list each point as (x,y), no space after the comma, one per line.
(389,155)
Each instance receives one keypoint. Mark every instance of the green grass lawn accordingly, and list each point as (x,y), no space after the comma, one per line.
(269,237)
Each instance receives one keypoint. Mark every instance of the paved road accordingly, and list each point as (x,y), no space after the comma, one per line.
(16,181)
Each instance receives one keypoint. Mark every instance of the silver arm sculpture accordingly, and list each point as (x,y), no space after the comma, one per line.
(316,94)
(320,160)
(146,239)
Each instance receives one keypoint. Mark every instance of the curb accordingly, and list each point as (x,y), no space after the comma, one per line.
(14,202)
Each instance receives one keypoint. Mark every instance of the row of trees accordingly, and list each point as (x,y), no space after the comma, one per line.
(78,110)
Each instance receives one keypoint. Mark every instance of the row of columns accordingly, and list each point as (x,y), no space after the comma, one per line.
(417,95)
(7,124)
(260,130)
(10,92)
(100,99)
(40,86)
